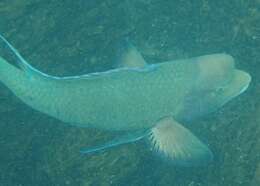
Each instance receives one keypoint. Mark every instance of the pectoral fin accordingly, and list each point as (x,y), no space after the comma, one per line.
(177,143)
(124,139)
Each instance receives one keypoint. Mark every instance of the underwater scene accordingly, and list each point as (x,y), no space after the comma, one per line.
(129,92)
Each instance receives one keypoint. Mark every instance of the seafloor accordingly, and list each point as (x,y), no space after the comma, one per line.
(64,37)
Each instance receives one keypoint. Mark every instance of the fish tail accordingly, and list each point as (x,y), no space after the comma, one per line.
(9,72)
(21,63)
(17,76)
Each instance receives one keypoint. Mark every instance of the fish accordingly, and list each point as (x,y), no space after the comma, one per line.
(145,101)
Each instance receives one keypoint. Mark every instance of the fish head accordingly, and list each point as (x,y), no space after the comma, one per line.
(218,82)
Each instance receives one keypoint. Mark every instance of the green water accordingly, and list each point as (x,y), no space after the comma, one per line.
(63,37)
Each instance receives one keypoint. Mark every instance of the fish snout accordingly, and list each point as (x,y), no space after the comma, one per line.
(238,84)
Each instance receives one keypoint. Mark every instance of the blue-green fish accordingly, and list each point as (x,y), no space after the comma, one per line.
(144,100)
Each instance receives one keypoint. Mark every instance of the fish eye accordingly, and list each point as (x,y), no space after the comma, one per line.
(219,90)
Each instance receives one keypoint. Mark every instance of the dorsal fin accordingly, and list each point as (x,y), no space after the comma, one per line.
(128,56)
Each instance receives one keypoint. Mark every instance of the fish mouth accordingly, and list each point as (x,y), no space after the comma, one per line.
(239,83)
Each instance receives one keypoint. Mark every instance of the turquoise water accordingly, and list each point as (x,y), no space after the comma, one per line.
(77,37)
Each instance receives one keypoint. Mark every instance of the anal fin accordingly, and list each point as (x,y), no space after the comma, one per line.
(130,137)
(177,143)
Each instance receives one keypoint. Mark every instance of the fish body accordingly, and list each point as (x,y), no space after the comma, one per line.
(122,99)
(134,97)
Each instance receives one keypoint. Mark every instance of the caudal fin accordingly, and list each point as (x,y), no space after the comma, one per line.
(20,61)
(177,143)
